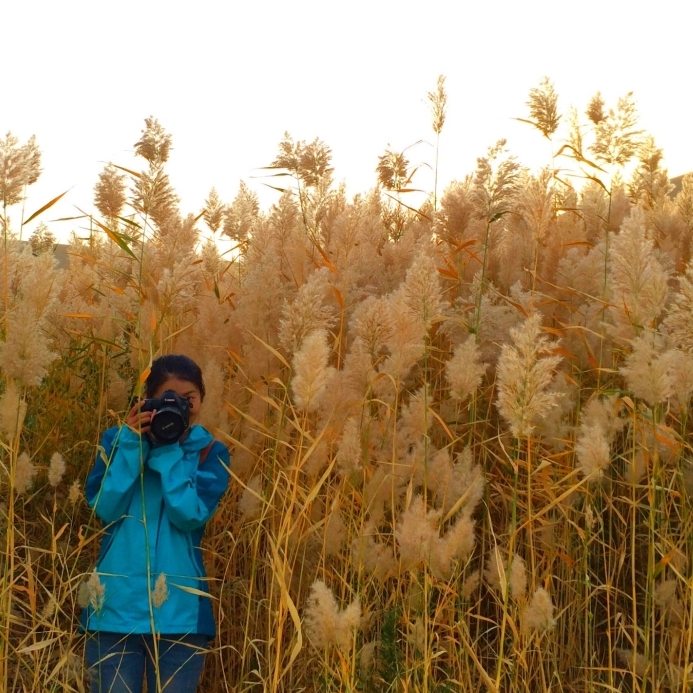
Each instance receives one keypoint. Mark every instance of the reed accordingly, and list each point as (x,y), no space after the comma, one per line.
(460,434)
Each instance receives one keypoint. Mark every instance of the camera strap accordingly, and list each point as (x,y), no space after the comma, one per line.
(204,452)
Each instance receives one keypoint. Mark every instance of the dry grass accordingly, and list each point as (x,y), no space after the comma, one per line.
(460,436)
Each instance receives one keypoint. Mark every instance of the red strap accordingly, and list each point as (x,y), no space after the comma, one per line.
(205,452)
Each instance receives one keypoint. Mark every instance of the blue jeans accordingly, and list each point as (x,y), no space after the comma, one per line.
(118,662)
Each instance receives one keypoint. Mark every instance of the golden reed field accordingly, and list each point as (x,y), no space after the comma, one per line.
(460,432)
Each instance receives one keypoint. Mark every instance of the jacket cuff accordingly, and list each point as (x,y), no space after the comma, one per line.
(129,439)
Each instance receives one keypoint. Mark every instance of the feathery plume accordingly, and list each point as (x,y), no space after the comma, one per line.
(250,503)
(575,130)
(639,283)
(49,609)
(648,370)
(593,451)
(678,323)
(416,530)
(372,324)
(453,482)
(109,192)
(538,614)
(471,584)
(457,544)
(517,578)
(118,392)
(24,474)
(421,295)
(665,593)
(160,593)
(616,139)
(154,197)
(349,455)
(604,412)
(213,211)
(375,558)
(415,420)
(74,668)
(155,143)
(681,369)
(312,373)
(12,410)
(595,109)
(307,312)
(417,635)
(500,576)
(20,165)
(335,533)
(75,493)
(524,377)
(42,240)
(406,345)
(636,662)
(25,354)
(97,591)
(56,469)
(242,214)
(369,655)
(665,597)
(684,201)
(543,108)
(83,594)
(393,170)
(438,101)
(495,182)
(327,626)
(465,371)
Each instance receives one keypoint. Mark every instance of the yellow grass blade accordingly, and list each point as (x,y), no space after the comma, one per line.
(48,205)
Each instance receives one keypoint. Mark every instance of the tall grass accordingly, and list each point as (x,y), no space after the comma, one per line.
(460,434)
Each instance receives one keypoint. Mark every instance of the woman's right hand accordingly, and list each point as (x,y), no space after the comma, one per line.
(139,421)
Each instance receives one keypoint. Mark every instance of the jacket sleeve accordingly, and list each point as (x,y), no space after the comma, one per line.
(117,468)
(190,500)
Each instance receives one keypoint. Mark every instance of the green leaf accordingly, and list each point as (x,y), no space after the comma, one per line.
(120,239)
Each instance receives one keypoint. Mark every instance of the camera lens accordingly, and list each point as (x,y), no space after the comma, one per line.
(172,418)
(167,426)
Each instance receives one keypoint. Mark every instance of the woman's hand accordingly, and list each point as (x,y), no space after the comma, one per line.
(139,421)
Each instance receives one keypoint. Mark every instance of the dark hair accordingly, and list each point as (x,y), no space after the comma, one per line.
(173,366)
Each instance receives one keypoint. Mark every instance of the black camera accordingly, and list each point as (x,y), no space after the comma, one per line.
(172,417)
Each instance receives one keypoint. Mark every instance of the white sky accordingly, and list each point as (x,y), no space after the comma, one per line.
(226,79)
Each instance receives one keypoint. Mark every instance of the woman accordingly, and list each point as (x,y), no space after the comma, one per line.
(147,613)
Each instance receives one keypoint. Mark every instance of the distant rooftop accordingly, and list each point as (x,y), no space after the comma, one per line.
(60,253)
(677,182)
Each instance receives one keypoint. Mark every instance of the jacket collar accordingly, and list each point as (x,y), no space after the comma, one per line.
(198,439)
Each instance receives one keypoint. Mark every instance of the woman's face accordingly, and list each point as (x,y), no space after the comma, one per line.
(186,390)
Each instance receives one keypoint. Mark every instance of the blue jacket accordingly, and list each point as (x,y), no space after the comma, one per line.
(155,502)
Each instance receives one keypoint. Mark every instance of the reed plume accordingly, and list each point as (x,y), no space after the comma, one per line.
(525,372)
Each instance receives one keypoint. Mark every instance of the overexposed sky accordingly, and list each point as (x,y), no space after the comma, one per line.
(226,79)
